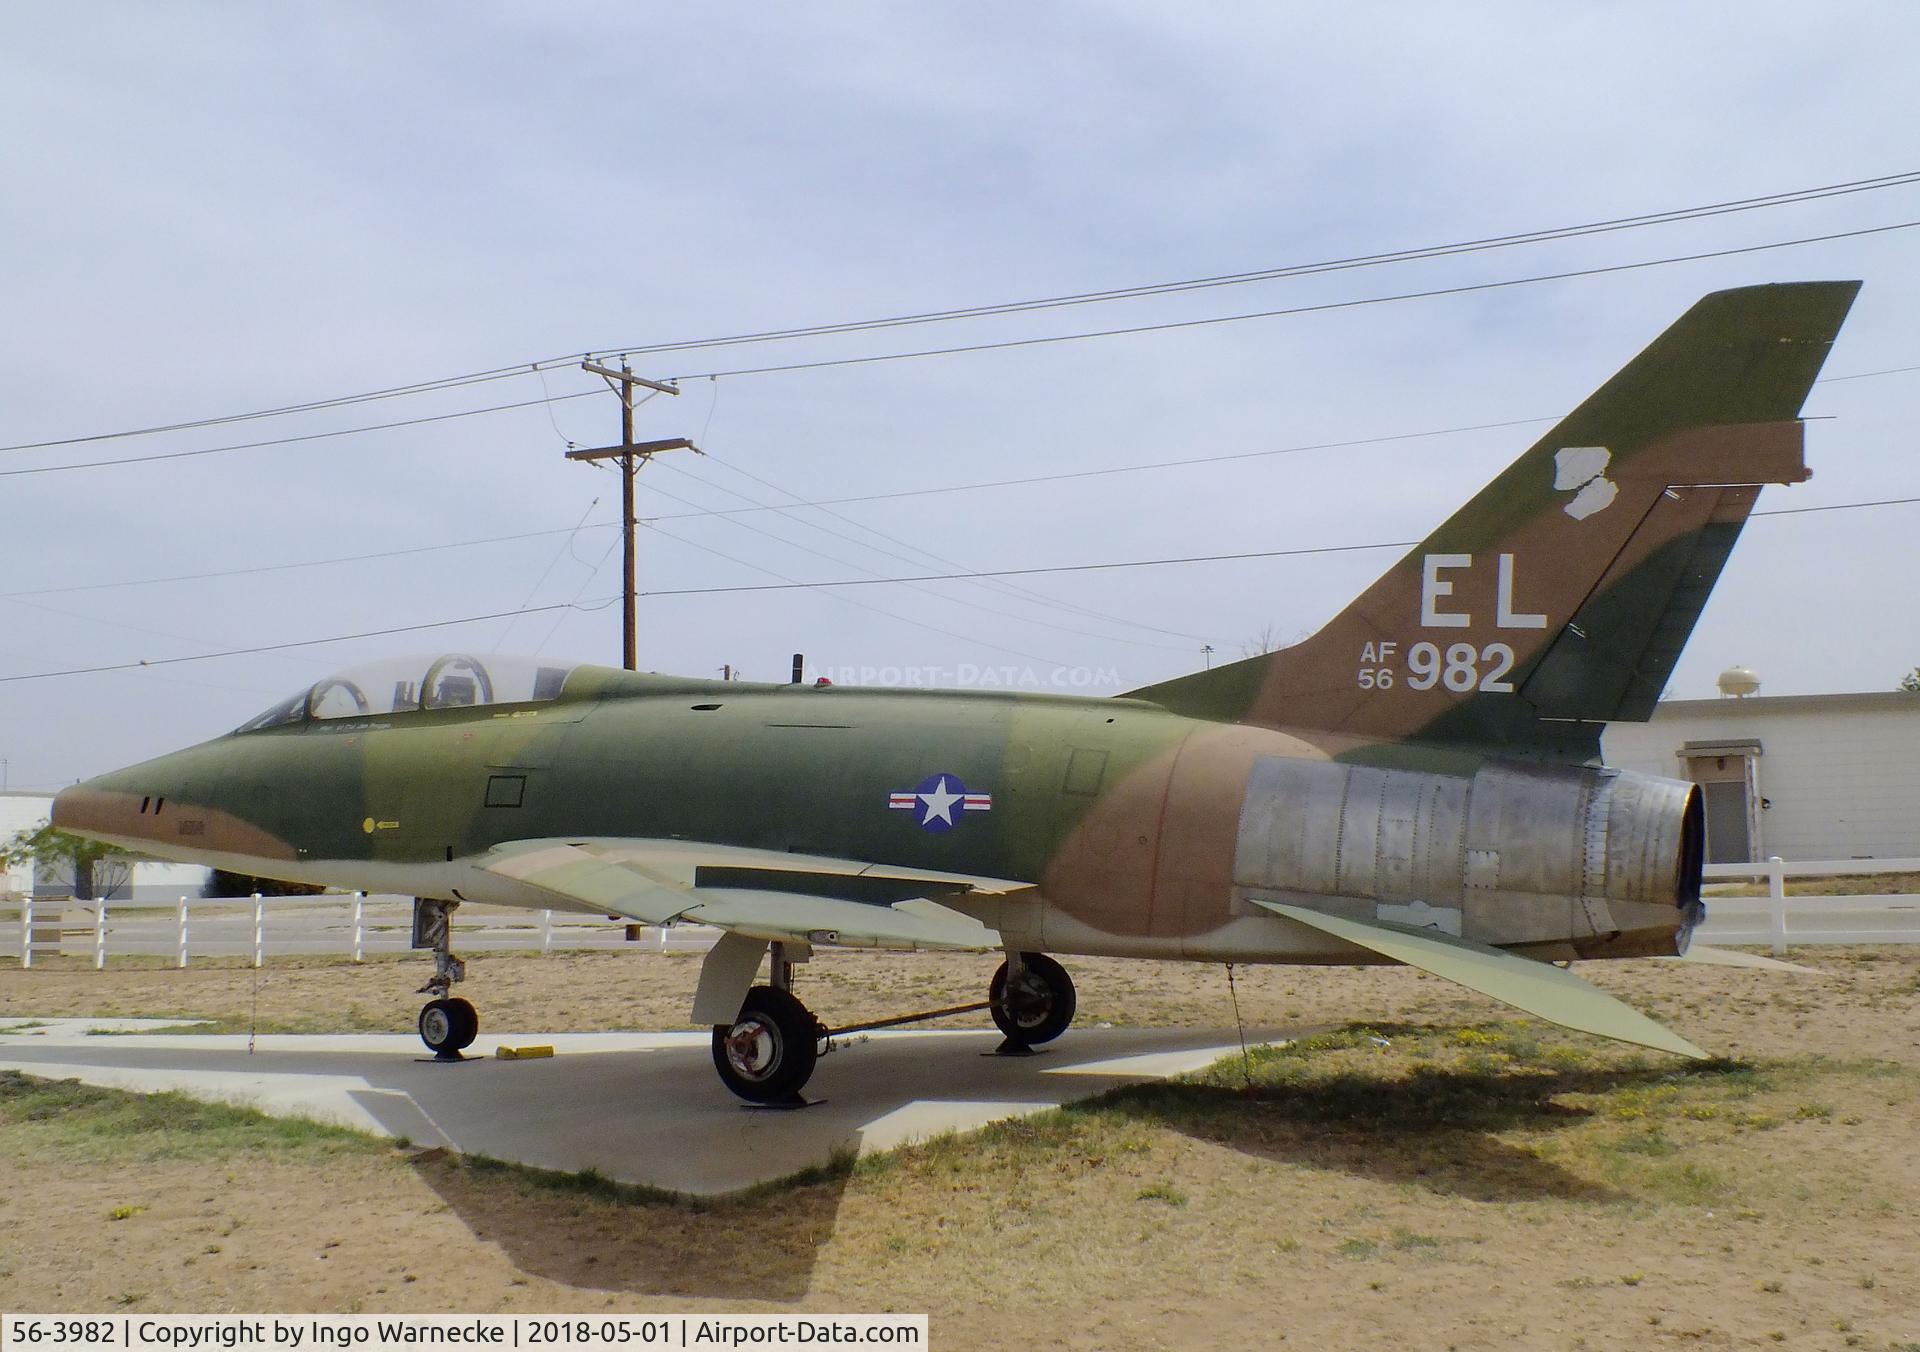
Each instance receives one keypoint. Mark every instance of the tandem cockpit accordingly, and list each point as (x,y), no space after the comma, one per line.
(404,685)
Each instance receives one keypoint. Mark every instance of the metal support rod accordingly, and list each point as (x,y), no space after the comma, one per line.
(259,931)
(26,930)
(183,931)
(100,936)
(910,1018)
(359,926)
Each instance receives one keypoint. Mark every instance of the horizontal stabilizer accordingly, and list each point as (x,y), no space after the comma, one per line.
(1540,988)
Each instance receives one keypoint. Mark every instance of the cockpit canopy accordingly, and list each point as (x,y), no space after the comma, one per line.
(406,684)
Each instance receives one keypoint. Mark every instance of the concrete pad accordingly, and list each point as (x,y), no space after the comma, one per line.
(640,1107)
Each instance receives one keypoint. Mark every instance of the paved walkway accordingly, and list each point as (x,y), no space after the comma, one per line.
(640,1107)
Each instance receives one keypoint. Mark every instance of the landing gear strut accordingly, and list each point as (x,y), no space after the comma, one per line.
(447,1024)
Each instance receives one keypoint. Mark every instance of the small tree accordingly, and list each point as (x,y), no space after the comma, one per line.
(1911,682)
(98,869)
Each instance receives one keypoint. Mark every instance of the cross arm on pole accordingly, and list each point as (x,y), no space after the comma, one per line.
(641,448)
(628,377)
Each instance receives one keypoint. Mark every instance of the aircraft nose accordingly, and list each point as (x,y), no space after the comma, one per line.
(88,810)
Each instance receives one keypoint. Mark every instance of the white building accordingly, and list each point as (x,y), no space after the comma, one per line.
(20,812)
(1799,776)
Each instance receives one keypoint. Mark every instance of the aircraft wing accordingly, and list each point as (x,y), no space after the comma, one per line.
(757,894)
(1553,993)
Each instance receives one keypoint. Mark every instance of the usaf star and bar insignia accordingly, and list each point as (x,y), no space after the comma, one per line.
(939,802)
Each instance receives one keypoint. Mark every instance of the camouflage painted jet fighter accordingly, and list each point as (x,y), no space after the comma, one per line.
(1419,782)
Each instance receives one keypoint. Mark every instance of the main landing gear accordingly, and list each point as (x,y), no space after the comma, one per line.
(1032,1003)
(768,1052)
(448,1025)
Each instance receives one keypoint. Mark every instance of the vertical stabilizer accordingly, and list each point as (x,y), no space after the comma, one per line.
(1560,597)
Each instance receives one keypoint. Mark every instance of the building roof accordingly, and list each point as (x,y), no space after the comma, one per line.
(1866,701)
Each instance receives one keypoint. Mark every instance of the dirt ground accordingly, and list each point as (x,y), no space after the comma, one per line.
(1471,1183)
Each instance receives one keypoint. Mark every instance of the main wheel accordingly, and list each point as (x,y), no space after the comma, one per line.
(448,1026)
(769,1052)
(1039,1004)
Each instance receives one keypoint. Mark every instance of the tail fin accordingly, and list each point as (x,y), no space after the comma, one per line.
(1560,597)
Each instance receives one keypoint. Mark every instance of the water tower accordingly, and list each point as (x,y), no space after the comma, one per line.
(1739,682)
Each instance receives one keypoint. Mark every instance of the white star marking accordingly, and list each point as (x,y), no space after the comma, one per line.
(940,803)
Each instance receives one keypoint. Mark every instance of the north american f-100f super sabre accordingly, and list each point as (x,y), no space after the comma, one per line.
(1419,782)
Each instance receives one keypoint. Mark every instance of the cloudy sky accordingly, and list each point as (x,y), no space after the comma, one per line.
(218,209)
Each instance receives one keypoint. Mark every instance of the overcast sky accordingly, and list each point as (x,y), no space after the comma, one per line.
(219,208)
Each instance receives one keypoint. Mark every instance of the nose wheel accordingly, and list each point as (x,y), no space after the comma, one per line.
(768,1053)
(448,1027)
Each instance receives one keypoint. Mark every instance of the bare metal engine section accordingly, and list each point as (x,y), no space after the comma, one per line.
(1605,861)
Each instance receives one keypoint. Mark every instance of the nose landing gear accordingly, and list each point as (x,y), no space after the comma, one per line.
(447,1025)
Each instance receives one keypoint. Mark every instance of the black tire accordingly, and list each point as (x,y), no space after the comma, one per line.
(769,1052)
(448,1025)
(1040,1006)
(467,1023)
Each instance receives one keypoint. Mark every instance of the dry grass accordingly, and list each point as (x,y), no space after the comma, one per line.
(1436,1178)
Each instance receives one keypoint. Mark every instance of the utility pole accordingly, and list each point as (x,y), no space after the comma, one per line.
(631,454)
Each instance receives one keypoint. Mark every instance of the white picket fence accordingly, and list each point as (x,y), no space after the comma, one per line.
(1777,919)
(264,927)
(358,924)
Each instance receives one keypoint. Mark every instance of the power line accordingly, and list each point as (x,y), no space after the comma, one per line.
(1420,253)
(1045,340)
(602,602)
(309,563)
(288,441)
(313,406)
(282,647)
(920,553)
(1117,469)
(895,495)
(1866,375)
(1053,625)
(863,605)
(1172,324)
(1183,559)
